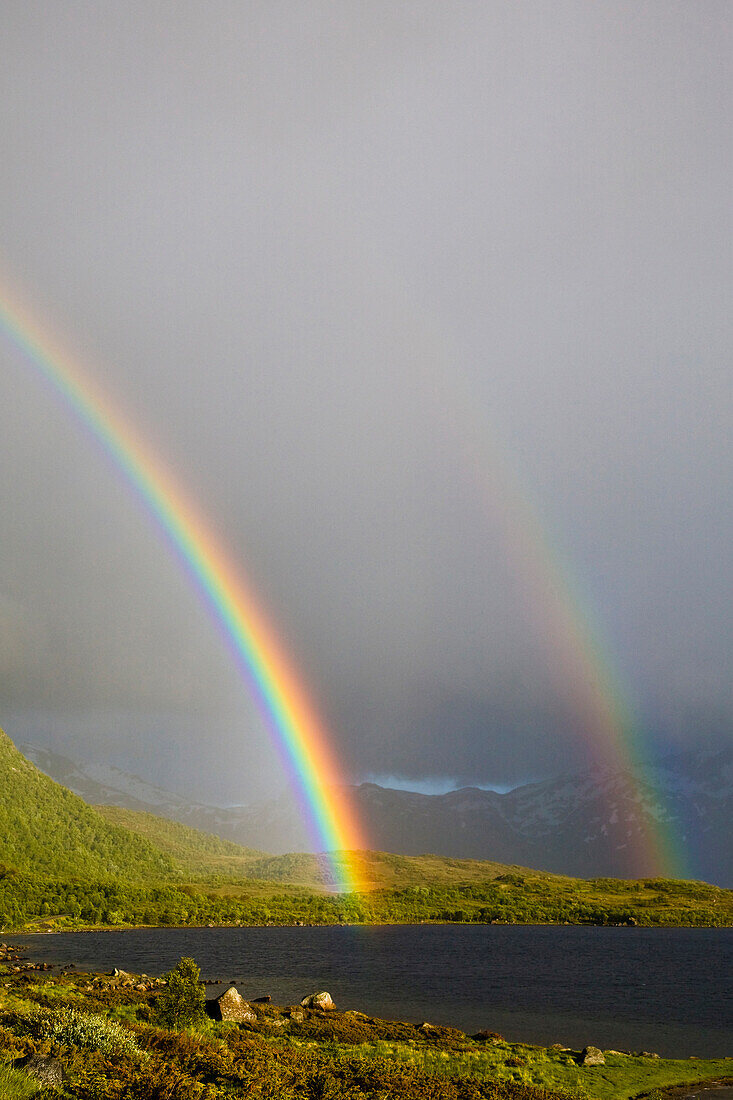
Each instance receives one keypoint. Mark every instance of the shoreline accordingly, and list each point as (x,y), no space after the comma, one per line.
(677,1092)
(363,924)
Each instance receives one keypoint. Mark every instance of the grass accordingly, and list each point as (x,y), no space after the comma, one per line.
(199,855)
(15,1085)
(622,1077)
(112,867)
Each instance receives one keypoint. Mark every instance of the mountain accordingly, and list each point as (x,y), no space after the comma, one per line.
(586,824)
(203,856)
(104,784)
(48,829)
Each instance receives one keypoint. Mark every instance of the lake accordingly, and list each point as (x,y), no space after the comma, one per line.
(663,989)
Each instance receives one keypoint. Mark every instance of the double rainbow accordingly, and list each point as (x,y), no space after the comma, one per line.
(600,700)
(298,732)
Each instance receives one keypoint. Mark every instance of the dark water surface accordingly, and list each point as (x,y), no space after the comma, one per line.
(658,989)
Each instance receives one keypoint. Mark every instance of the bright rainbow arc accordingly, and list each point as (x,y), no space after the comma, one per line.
(298,731)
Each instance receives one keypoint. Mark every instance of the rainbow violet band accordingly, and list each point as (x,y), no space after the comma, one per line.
(298,732)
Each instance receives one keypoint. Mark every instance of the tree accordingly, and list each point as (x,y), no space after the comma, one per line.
(182,1001)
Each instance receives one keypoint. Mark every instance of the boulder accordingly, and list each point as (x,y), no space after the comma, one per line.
(231,1006)
(591,1056)
(45,1070)
(318,1000)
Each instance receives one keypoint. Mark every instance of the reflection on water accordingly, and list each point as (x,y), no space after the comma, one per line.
(664,990)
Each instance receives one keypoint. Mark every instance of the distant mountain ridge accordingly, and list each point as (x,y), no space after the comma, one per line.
(587,824)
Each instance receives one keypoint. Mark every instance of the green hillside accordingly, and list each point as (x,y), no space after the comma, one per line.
(384,870)
(45,829)
(202,855)
(198,854)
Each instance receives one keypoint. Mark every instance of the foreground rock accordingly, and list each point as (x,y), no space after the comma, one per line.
(231,1006)
(318,1000)
(45,1070)
(591,1056)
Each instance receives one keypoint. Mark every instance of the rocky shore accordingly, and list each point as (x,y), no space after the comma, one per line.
(67,1029)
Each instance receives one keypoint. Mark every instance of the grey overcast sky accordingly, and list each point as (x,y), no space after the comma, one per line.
(374,280)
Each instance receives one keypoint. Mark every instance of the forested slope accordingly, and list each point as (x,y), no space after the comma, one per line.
(45,829)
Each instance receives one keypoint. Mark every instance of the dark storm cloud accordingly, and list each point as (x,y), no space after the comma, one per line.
(333,261)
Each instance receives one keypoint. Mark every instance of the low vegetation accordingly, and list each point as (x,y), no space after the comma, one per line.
(106,1034)
(16,1085)
(197,855)
(68,1027)
(29,902)
(47,829)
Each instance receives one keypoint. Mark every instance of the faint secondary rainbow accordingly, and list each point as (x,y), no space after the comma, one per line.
(573,637)
(299,733)
(584,668)
(598,696)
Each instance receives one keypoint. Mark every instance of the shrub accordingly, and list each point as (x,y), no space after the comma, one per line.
(182,1001)
(70,1028)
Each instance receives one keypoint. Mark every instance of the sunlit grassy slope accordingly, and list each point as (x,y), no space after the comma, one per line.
(69,864)
(199,854)
(44,828)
